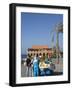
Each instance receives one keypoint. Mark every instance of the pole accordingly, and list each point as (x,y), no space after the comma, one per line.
(57,46)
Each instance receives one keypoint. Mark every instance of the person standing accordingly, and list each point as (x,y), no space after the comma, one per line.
(35,67)
(32,67)
(28,63)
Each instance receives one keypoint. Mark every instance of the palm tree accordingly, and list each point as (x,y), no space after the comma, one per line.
(58,29)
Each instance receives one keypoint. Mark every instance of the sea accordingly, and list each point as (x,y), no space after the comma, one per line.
(23,56)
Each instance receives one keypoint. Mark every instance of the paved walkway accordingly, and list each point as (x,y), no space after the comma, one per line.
(58,68)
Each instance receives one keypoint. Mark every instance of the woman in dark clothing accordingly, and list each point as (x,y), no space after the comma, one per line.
(28,63)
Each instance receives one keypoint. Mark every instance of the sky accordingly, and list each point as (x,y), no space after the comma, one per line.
(36,29)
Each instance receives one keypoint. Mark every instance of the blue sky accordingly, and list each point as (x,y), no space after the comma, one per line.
(36,29)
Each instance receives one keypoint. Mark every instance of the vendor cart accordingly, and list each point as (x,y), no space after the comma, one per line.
(46,68)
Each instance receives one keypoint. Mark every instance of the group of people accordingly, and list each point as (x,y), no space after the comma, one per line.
(33,64)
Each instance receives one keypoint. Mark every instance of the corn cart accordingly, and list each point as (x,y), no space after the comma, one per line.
(46,68)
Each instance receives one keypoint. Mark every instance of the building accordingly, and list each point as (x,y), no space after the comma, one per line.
(40,50)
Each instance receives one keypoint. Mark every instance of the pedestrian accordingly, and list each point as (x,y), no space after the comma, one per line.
(28,63)
(32,67)
(46,59)
(49,59)
(35,67)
